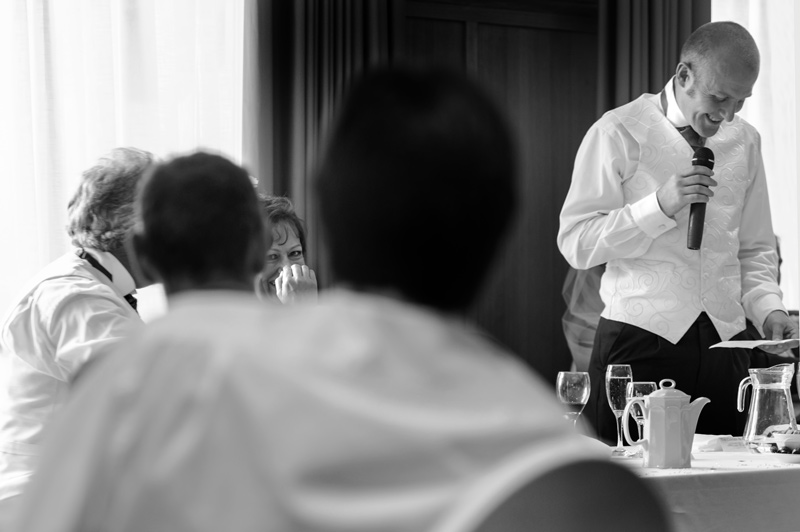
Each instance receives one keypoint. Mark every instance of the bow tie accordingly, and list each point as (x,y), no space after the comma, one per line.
(131,299)
(99,267)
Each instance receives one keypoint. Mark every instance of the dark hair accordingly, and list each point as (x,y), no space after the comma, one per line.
(100,213)
(200,218)
(419,178)
(279,210)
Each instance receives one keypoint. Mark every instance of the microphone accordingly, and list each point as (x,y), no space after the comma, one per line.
(697,211)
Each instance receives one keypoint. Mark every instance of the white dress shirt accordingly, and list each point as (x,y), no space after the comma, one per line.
(358,413)
(63,317)
(611,215)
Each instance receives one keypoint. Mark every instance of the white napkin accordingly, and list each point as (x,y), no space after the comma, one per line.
(705,443)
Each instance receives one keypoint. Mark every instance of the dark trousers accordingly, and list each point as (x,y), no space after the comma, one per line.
(697,371)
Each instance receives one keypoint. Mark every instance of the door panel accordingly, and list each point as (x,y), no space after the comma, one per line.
(541,68)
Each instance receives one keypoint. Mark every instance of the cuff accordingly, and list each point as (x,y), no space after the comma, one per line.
(762,308)
(650,218)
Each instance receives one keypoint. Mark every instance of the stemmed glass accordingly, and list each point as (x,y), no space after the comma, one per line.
(639,389)
(572,388)
(617,378)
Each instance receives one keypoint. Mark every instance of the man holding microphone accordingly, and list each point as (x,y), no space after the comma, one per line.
(638,170)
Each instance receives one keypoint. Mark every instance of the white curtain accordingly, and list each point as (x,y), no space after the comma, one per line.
(773,110)
(83,76)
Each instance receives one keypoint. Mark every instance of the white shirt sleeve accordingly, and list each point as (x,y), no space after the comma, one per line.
(757,253)
(596,225)
(87,326)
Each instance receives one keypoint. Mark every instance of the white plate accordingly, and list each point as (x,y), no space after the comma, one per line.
(791,343)
(777,457)
(792,441)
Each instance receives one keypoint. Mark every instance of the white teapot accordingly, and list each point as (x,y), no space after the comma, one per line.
(669,424)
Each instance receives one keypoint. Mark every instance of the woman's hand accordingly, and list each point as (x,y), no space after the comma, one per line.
(296,283)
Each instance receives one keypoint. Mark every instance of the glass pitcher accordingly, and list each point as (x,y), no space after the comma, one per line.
(770,405)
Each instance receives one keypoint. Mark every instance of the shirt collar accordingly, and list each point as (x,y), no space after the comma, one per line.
(122,279)
(674,113)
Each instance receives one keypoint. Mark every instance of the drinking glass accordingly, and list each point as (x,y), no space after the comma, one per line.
(572,388)
(617,378)
(639,389)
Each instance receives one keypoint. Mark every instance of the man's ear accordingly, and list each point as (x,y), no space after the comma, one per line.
(141,262)
(682,74)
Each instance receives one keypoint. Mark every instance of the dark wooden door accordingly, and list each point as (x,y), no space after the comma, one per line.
(539,60)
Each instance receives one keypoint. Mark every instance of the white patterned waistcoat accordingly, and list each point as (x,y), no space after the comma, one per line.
(665,289)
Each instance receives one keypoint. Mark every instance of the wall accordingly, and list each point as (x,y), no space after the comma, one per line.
(538,58)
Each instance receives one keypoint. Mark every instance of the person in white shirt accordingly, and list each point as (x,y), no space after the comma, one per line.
(378,409)
(628,207)
(66,314)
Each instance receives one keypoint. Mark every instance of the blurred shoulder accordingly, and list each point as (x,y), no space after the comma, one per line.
(390,348)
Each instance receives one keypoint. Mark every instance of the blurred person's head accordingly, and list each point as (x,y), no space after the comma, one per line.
(718,68)
(101,213)
(416,187)
(199,225)
(288,242)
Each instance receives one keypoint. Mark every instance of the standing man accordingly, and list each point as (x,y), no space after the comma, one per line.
(628,207)
(70,311)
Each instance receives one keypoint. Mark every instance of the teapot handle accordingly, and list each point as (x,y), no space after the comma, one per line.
(626,414)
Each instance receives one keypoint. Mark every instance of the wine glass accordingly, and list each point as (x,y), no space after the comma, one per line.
(572,388)
(617,378)
(639,389)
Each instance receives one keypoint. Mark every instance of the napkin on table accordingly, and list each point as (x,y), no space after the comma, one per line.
(705,443)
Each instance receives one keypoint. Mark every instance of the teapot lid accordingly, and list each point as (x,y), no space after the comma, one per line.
(668,391)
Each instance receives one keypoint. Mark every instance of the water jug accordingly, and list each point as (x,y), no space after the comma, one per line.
(770,405)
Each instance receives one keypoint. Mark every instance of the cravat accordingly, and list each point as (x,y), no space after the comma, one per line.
(691,136)
(99,267)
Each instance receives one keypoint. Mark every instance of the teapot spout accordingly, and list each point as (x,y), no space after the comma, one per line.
(694,412)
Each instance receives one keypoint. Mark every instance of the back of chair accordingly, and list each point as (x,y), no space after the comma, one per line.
(571,496)
(581,496)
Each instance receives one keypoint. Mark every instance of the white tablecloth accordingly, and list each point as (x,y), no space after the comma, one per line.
(729,491)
